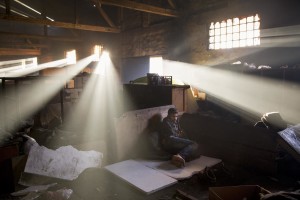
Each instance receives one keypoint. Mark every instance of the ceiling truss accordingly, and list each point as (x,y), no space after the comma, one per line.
(34,48)
(140,7)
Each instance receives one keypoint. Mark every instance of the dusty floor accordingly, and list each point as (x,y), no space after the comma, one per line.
(100,184)
(106,186)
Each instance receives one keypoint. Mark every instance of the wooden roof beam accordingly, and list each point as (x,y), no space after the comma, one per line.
(7,7)
(39,37)
(140,7)
(19,52)
(59,24)
(24,45)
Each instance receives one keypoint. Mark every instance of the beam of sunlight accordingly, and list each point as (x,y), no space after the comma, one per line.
(281,31)
(18,102)
(281,41)
(287,36)
(255,95)
(100,102)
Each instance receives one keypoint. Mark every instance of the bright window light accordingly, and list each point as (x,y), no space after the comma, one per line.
(97,52)
(156,65)
(105,54)
(71,57)
(234,33)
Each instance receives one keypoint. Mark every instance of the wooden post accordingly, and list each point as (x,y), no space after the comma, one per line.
(62,104)
(7,7)
(3,125)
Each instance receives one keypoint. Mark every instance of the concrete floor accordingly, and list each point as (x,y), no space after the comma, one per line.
(97,183)
(100,184)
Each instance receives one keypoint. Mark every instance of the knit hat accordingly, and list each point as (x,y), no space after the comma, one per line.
(172,111)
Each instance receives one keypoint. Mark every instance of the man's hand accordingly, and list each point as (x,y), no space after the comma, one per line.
(181,133)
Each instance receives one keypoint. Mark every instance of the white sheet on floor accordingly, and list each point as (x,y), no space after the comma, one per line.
(191,168)
(65,162)
(138,175)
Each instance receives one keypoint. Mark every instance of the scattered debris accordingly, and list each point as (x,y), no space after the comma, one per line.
(37,188)
(180,195)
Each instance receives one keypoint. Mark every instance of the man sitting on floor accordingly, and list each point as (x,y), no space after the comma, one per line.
(174,142)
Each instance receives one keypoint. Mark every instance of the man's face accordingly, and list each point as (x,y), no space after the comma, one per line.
(173,117)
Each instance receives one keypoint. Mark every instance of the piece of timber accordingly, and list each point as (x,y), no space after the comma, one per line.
(59,24)
(17,52)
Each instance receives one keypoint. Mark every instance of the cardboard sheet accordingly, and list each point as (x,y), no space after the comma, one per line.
(140,176)
(193,167)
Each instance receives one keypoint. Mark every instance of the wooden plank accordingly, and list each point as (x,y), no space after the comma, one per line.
(19,52)
(140,7)
(60,24)
(141,177)
(21,45)
(29,36)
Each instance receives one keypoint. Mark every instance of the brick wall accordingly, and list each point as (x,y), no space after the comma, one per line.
(186,38)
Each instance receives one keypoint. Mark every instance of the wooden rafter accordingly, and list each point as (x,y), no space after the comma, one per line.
(24,45)
(19,52)
(140,7)
(40,37)
(59,24)
(104,15)
(7,7)
(172,4)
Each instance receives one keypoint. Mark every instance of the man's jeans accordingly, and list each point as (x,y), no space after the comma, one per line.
(186,148)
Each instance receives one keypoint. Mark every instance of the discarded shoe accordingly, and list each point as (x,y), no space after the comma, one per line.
(178,161)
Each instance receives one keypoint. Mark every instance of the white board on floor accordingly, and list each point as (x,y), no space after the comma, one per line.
(191,168)
(140,176)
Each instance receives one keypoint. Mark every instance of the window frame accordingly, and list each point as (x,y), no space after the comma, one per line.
(236,32)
